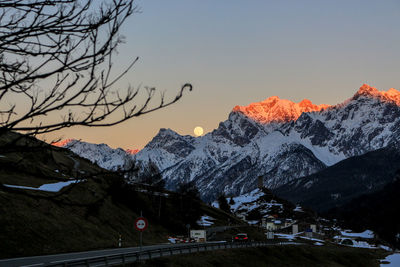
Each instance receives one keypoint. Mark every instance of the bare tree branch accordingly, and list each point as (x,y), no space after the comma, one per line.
(56,58)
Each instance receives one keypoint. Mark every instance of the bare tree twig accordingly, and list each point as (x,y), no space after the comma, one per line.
(56,59)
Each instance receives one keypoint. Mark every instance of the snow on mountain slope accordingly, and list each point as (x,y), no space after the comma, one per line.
(277,139)
(101,154)
(368,121)
(167,148)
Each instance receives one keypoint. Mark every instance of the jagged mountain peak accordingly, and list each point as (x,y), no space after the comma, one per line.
(368,90)
(164,131)
(172,142)
(65,142)
(132,151)
(274,109)
(167,136)
(392,95)
(171,135)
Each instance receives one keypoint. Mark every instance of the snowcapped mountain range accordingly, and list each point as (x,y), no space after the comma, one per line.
(277,139)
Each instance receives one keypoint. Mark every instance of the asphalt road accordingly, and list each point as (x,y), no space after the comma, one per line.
(51,259)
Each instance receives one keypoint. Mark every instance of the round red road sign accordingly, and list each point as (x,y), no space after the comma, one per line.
(141,224)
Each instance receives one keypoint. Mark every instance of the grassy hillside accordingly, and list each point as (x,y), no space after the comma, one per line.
(87,215)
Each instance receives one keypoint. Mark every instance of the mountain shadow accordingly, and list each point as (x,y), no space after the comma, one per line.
(344,181)
(379,211)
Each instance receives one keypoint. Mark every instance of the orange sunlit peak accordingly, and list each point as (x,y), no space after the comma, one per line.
(305,102)
(132,151)
(366,89)
(391,95)
(392,91)
(63,143)
(274,109)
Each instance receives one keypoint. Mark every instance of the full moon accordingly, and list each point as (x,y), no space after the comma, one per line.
(198,131)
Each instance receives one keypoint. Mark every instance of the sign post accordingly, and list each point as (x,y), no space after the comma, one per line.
(141,225)
(188,229)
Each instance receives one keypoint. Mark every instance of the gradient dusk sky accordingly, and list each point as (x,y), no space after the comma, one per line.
(237,52)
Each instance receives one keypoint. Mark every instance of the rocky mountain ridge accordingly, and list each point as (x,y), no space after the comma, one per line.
(274,109)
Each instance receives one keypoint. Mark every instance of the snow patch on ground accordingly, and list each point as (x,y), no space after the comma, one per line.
(215,204)
(246,198)
(394,260)
(362,244)
(172,240)
(53,187)
(291,237)
(366,234)
(285,236)
(385,247)
(348,235)
(312,239)
(298,209)
(205,221)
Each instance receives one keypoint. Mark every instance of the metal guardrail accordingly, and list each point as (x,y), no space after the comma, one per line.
(123,258)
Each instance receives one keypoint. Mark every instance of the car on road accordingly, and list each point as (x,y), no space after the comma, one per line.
(241,237)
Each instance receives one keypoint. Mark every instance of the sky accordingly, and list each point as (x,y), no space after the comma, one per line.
(238,52)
